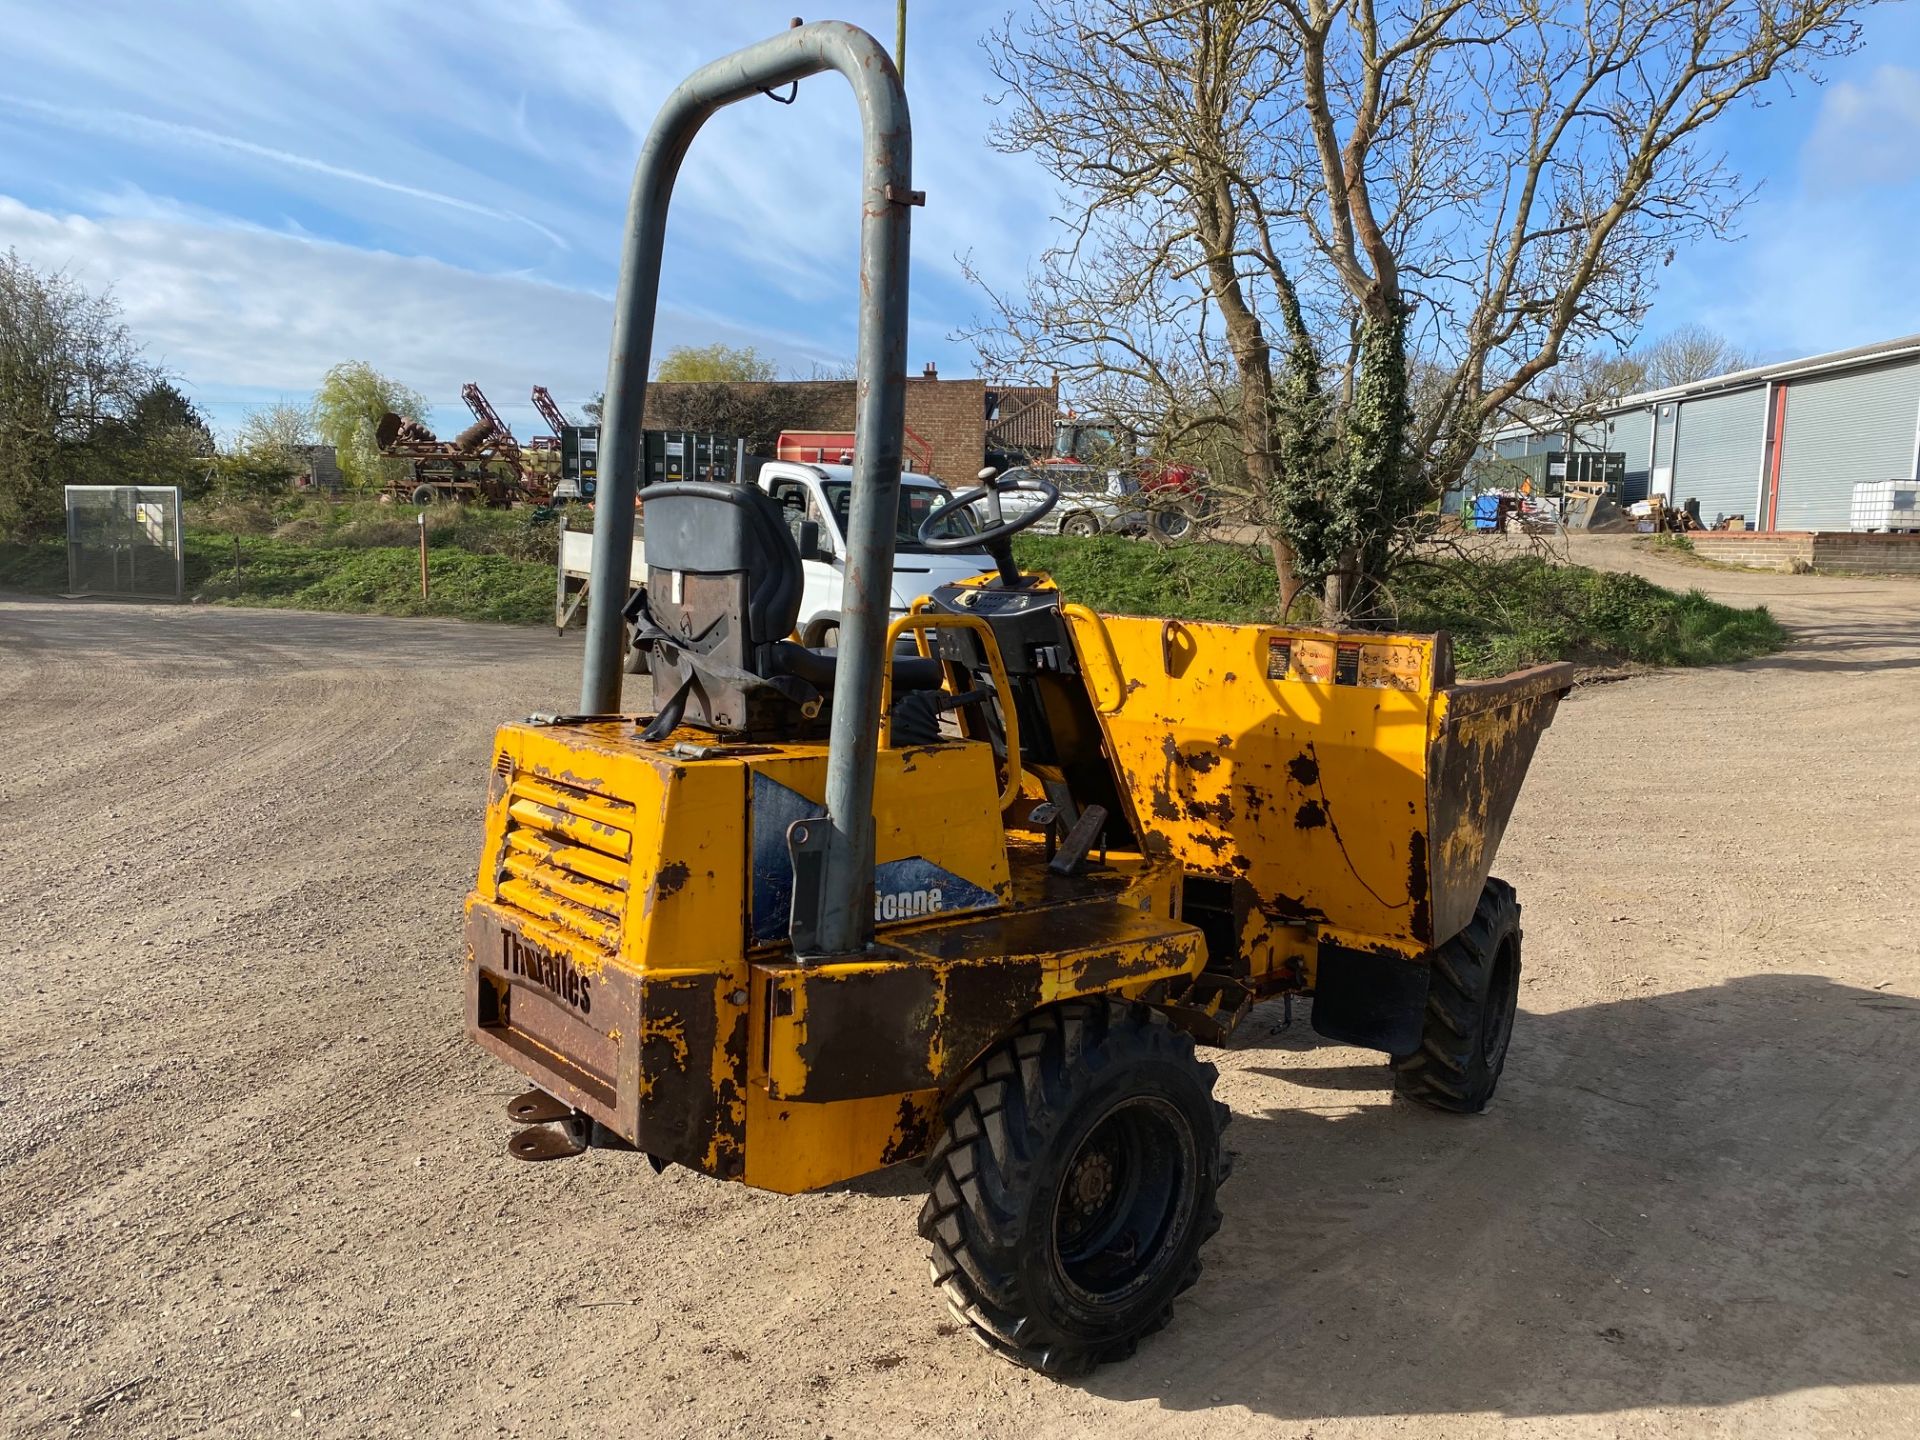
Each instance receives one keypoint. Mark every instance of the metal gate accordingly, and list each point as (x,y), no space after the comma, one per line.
(125,540)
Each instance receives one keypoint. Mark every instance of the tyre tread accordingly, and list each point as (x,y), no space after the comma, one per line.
(1010,1098)
(1440,1074)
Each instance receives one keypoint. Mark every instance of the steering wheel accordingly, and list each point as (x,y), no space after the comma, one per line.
(995,538)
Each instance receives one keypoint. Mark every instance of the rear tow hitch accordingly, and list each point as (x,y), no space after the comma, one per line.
(556,1131)
(553,1131)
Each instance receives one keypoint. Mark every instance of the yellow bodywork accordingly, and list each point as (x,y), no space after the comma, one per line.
(1301,804)
(1315,767)
(626,945)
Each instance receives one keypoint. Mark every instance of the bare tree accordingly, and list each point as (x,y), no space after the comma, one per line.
(1691,353)
(754,410)
(1357,233)
(279,431)
(72,380)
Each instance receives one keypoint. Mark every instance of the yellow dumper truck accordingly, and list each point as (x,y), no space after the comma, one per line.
(970,888)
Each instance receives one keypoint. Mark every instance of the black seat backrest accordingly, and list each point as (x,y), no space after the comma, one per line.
(721,541)
(723,593)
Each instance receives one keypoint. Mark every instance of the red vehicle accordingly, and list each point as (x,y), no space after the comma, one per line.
(835,447)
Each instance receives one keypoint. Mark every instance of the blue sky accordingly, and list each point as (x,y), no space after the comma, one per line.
(439,189)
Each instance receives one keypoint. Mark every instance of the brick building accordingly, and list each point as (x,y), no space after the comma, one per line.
(950,423)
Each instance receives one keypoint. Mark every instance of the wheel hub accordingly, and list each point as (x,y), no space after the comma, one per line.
(1091,1185)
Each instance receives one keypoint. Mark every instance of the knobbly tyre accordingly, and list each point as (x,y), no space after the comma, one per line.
(811,913)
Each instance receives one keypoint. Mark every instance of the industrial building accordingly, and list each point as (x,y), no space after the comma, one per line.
(1782,445)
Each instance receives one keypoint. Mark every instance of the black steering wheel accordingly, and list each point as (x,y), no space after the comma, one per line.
(995,538)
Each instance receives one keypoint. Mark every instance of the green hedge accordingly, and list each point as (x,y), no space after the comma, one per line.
(1503,614)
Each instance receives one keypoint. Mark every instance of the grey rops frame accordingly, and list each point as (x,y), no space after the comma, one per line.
(833,892)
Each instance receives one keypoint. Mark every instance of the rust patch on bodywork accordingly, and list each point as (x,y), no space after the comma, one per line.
(912,1133)
(672,877)
(1417,887)
(680,1100)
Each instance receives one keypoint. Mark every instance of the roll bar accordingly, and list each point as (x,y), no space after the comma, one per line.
(833,890)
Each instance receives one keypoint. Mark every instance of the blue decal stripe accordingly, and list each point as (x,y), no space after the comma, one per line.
(775,807)
(909,886)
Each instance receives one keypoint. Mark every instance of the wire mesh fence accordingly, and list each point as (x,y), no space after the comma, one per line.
(125,540)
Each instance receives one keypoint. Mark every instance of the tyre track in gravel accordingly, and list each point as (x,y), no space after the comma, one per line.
(252,1168)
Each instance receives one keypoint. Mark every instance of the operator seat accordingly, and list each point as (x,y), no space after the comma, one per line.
(722,594)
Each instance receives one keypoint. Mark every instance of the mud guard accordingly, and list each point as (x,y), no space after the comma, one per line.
(1370,998)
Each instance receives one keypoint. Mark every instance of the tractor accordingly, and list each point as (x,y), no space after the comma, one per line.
(971,888)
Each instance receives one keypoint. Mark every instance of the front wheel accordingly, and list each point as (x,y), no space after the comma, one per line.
(1074,1185)
(1081,524)
(1472,993)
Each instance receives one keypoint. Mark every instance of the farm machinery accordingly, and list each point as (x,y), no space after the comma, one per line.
(971,888)
(483,464)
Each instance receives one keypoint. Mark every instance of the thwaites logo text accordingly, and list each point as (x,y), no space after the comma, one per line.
(547,970)
(907,904)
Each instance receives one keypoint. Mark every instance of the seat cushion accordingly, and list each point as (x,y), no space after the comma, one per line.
(816,667)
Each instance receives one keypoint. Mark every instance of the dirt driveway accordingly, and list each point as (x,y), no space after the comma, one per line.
(252,1181)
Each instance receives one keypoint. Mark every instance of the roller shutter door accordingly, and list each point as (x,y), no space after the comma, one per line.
(1633,437)
(1717,453)
(1842,429)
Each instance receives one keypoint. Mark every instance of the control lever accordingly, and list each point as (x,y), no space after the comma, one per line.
(1090,827)
(916,713)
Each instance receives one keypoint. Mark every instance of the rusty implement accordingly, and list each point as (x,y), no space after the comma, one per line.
(1337,796)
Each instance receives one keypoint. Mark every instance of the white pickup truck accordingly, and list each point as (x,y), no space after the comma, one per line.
(820,493)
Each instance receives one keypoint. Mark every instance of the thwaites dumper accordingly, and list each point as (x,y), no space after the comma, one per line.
(971,888)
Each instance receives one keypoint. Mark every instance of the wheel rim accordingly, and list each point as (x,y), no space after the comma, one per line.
(1503,994)
(1126,1202)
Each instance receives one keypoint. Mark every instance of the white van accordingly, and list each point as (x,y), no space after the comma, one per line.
(822,494)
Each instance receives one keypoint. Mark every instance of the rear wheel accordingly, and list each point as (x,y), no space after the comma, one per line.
(1081,524)
(1472,994)
(636,661)
(1075,1185)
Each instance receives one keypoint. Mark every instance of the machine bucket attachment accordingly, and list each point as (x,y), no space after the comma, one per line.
(1343,776)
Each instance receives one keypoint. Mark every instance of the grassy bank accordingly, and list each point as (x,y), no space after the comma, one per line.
(498,566)
(359,557)
(1502,613)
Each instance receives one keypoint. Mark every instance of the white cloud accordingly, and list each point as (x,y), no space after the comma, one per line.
(1866,131)
(235,306)
(119,122)
(441,190)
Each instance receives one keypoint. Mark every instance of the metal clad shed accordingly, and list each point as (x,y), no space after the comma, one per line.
(1841,429)
(1849,416)
(1719,442)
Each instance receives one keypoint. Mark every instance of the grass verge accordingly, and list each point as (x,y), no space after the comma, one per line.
(1503,613)
(375,579)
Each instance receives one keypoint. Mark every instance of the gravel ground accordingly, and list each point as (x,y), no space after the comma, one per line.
(252,1180)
